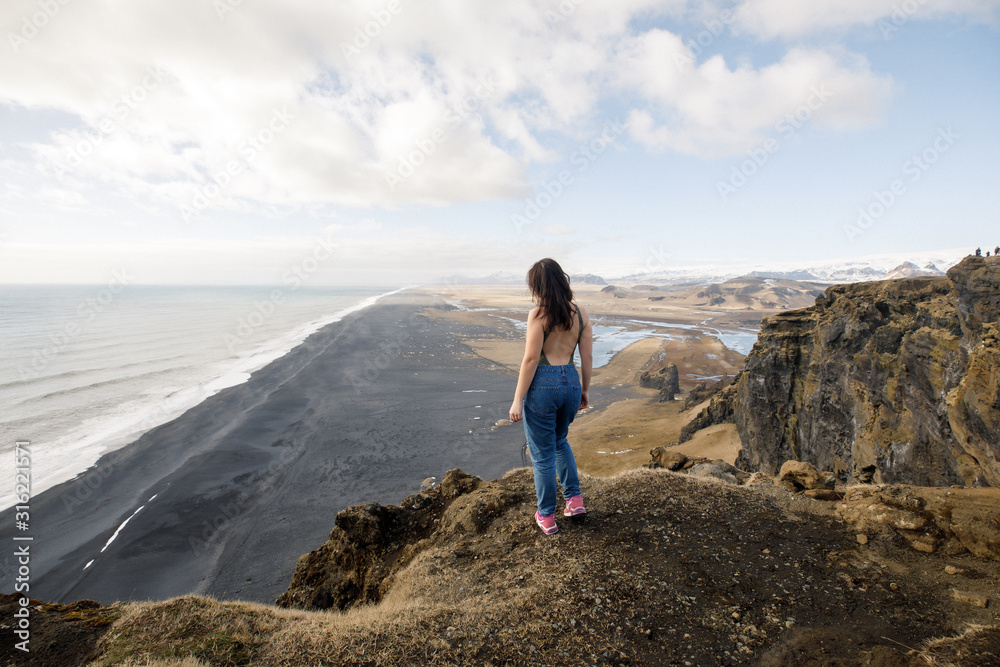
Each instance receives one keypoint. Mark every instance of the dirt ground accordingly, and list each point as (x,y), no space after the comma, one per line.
(665,569)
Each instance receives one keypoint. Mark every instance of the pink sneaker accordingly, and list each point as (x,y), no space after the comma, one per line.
(547,523)
(574,506)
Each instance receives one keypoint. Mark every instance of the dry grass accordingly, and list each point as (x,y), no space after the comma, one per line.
(182,631)
(976,645)
(169,662)
(618,437)
(198,631)
(657,557)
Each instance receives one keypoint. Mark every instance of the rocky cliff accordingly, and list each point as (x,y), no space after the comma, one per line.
(703,566)
(666,379)
(893,382)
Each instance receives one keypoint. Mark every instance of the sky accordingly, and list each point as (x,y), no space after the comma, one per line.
(391,141)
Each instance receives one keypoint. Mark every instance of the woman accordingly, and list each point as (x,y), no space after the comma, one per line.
(549,392)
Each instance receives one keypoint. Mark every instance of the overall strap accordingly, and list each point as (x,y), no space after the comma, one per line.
(579,316)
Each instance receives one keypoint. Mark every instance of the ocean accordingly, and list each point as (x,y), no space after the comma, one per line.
(87,369)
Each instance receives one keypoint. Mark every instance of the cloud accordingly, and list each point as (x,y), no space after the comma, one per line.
(559,230)
(394,103)
(348,253)
(780,18)
(712,109)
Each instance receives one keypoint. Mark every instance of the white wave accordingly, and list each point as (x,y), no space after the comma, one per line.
(69,455)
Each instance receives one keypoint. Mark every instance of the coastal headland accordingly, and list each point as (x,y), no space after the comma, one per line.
(225,498)
(683,558)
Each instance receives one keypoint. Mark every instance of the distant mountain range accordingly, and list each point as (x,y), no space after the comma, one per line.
(507,278)
(853,274)
(864,269)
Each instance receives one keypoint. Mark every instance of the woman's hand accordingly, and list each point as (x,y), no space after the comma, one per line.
(584,399)
(516,411)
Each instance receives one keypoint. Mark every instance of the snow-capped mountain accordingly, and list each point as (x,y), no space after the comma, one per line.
(874,267)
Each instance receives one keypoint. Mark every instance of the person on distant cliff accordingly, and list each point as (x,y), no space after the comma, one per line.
(979,252)
(549,390)
(997,251)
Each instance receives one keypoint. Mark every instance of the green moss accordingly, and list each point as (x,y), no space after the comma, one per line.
(87,613)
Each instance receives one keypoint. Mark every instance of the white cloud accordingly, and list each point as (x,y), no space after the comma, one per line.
(781,18)
(345,254)
(712,109)
(559,230)
(168,94)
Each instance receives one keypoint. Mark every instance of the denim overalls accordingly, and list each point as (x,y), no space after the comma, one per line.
(550,406)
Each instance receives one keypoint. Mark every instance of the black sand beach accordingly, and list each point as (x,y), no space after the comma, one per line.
(252,478)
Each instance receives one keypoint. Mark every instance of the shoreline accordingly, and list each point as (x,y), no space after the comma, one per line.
(110,434)
(224,499)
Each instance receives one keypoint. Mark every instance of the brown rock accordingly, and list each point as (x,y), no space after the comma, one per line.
(823,494)
(719,411)
(800,475)
(971,516)
(962,519)
(704,391)
(667,458)
(895,381)
(666,379)
(951,569)
(925,544)
(369,543)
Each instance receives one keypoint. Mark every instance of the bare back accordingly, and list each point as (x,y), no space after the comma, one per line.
(559,344)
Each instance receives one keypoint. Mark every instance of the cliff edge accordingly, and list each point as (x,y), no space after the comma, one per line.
(889,382)
(666,568)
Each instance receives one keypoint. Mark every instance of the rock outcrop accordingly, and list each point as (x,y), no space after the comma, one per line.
(664,569)
(721,410)
(955,520)
(665,379)
(370,543)
(705,391)
(697,466)
(801,476)
(889,382)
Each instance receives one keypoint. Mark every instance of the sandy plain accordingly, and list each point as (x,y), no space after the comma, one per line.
(625,421)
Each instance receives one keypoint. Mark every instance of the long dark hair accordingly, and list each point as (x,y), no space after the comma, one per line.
(549,284)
